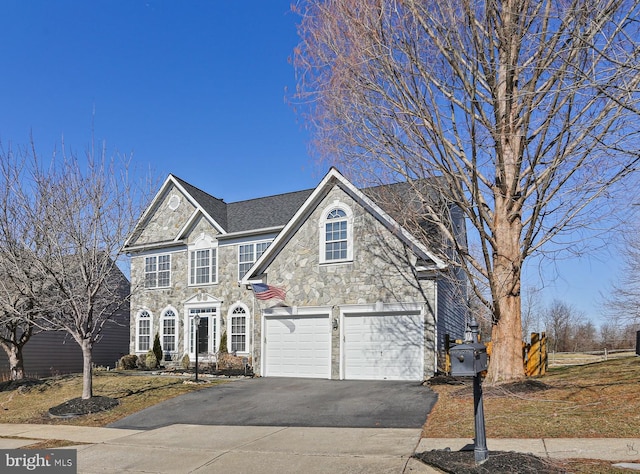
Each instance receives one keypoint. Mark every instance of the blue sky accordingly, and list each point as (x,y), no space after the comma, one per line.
(194,88)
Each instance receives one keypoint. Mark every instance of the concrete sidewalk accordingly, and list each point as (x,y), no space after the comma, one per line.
(185,448)
(244,449)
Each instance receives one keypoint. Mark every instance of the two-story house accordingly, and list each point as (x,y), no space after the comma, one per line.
(365,298)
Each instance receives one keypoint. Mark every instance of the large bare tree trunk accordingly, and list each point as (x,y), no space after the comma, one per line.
(12,342)
(87,369)
(506,335)
(16,362)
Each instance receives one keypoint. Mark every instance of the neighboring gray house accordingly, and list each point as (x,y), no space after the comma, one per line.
(55,352)
(365,299)
(51,353)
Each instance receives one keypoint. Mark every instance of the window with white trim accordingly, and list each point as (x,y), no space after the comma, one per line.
(157,271)
(238,330)
(203,262)
(169,332)
(336,234)
(248,254)
(143,331)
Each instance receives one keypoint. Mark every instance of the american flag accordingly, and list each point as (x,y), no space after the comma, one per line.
(266,292)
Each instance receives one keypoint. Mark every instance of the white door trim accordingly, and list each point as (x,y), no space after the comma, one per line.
(202,302)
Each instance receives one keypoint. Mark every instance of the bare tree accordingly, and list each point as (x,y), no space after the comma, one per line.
(526,112)
(530,312)
(585,337)
(562,322)
(618,334)
(622,301)
(18,313)
(17,307)
(81,214)
(16,328)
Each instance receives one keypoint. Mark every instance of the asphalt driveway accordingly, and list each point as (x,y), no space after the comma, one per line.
(274,401)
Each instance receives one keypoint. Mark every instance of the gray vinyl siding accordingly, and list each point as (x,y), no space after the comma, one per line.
(452,290)
(452,297)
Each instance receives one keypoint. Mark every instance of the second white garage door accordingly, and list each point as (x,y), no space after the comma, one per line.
(383,346)
(298,346)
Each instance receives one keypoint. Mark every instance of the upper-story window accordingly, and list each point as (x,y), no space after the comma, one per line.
(203,262)
(157,271)
(336,234)
(143,330)
(248,254)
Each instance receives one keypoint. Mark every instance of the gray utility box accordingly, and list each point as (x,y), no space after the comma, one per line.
(468,360)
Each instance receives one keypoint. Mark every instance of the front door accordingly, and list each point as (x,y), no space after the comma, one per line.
(204,336)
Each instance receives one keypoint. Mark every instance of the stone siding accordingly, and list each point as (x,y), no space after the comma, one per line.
(380,272)
(165,223)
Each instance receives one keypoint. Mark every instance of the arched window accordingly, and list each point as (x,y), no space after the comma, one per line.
(238,329)
(169,330)
(143,331)
(336,234)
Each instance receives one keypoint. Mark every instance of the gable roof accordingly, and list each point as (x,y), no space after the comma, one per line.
(214,207)
(203,202)
(332,178)
(285,212)
(243,216)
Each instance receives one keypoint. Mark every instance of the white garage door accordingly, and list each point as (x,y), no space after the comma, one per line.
(298,346)
(383,346)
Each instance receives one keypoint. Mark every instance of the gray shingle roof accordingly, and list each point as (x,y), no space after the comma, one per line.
(261,213)
(213,206)
(252,214)
(277,210)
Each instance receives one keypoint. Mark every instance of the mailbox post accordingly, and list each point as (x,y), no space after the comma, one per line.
(469,360)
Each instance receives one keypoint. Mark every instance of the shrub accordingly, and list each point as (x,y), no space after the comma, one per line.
(157,348)
(186,361)
(142,362)
(128,362)
(223,344)
(151,360)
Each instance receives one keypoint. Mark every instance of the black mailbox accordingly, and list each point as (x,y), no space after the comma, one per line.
(468,360)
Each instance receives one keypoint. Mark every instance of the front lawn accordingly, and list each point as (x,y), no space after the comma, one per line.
(29,402)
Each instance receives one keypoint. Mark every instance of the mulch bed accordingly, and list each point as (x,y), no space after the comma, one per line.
(79,406)
(498,462)
(463,462)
